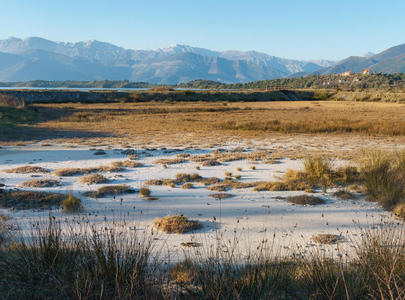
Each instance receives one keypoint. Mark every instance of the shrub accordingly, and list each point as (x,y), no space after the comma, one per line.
(220,196)
(144,192)
(184,272)
(71,204)
(253,167)
(176,224)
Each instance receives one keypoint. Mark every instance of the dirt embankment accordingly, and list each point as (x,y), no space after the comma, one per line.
(60,96)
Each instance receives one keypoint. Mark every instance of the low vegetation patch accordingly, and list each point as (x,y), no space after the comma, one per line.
(344,194)
(187,185)
(399,211)
(305,200)
(41,183)
(170,161)
(111,190)
(93,179)
(18,199)
(326,238)
(176,224)
(27,170)
(82,171)
(126,164)
(220,196)
(144,192)
(71,204)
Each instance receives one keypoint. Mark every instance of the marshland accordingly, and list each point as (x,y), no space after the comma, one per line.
(226,199)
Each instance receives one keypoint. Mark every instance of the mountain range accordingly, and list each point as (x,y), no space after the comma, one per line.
(35,58)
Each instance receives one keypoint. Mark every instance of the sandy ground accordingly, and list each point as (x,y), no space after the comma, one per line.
(248,217)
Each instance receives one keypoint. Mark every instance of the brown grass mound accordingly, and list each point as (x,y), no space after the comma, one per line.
(210,180)
(217,188)
(72,204)
(187,185)
(81,171)
(399,211)
(126,164)
(27,169)
(176,224)
(154,182)
(93,179)
(41,183)
(170,161)
(29,200)
(144,192)
(111,190)
(343,194)
(183,177)
(326,238)
(220,196)
(305,200)
(184,273)
(210,163)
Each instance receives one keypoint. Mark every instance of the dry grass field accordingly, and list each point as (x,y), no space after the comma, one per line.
(213,120)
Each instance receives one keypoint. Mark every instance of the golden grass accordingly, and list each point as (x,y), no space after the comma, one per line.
(326,238)
(93,179)
(202,124)
(187,185)
(170,161)
(64,172)
(399,211)
(40,183)
(176,224)
(27,170)
(126,164)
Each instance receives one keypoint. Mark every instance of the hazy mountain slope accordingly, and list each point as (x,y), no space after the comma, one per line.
(388,61)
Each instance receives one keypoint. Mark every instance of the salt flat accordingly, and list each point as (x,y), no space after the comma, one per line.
(246,218)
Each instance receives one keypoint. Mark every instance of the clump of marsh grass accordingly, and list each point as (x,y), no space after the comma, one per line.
(187,185)
(176,224)
(383,176)
(399,211)
(111,190)
(19,200)
(27,170)
(144,192)
(71,204)
(220,196)
(93,179)
(326,238)
(305,200)
(344,194)
(41,183)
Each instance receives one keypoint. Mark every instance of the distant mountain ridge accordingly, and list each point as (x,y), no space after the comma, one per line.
(36,58)
(389,61)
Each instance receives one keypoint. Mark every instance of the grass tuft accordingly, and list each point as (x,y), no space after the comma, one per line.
(176,224)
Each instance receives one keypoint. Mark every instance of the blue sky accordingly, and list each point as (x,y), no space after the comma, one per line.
(301,29)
